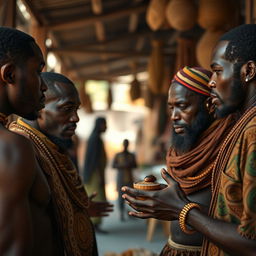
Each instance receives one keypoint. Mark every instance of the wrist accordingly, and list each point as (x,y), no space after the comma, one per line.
(183,216)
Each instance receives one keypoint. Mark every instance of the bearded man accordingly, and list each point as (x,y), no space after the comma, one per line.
(229,227)
(190,159)
(51,135)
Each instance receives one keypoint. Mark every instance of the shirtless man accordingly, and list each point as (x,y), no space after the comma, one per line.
(25,195)
(51,135)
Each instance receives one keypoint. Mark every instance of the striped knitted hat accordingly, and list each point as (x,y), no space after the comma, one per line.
(196,79)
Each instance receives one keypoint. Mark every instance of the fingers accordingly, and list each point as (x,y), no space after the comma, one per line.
(167,177)
(140,215)
(94,194)
(135,192)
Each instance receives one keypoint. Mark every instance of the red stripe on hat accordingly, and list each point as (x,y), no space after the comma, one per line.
(191,87)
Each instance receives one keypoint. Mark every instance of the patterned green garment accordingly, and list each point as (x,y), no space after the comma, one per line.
(237,194)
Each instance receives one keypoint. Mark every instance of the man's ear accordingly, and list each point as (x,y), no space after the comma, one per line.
(209,105)
(249,71)
(8,73)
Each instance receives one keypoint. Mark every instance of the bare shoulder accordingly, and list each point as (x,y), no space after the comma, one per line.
(17,160)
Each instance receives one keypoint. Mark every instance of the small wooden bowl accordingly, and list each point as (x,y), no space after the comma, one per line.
(148,184)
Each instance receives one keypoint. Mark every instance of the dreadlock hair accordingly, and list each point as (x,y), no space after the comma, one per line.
(242,43)
(15,45)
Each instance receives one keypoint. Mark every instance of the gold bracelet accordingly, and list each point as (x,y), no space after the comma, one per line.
(183,216)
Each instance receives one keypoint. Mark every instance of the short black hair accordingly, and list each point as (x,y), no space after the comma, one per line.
(242,43)
(50,78)
(15,45)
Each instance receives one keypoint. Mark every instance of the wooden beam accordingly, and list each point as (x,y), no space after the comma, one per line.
(100,64)
(140,43)
(88,52)
(99,26)
(102,17)
(120,38)
(96,6)
(133,22)
(100,31)
(33,12)
(8,13)
(111,74)
(40,35)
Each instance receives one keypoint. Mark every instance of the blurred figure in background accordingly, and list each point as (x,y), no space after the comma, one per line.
(94,166)
(124,162)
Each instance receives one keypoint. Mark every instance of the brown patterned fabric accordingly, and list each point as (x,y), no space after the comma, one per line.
(69,197)
(234,182)
(193,170)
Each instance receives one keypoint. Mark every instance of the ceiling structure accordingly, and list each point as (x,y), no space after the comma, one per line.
(101,40)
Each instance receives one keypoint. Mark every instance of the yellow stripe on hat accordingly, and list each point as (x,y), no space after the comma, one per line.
(197,77)
(179,75)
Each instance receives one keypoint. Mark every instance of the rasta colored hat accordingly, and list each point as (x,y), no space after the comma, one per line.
(196,79)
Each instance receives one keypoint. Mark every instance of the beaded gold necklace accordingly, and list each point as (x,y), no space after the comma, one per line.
(3,119)
(222,160)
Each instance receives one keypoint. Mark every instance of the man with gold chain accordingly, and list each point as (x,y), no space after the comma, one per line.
(194,134)
(229,228)
(51,135)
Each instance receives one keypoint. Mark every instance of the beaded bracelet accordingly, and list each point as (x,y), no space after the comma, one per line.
(183,216)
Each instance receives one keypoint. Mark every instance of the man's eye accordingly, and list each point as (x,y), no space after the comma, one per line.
(67,108)
(217,71)
(182,106)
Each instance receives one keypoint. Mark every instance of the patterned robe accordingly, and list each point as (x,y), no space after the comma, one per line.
(234,197)
(69,197)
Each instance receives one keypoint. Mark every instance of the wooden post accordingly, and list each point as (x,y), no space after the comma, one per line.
(8,13)
(40,35)
(250,12)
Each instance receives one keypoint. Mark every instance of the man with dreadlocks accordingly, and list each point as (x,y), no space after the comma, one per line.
(229,227)
(193,148)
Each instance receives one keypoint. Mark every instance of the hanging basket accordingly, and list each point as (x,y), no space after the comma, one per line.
(135,90)
(110,97)
(216,14)
(181,14)
(205,47)
(155,15)
(156,67)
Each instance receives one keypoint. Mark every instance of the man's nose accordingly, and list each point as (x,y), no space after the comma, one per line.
(212,83)
(175,115)
(74,117)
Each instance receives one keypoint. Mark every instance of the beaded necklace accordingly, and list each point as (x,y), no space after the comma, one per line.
(222,160)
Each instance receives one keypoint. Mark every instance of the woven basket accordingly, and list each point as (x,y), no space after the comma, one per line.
(216,14)
(181,14)
(155,15)
(135,90)
(205,47)
(156,67)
